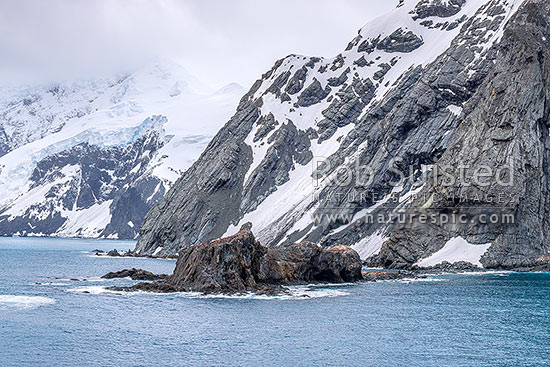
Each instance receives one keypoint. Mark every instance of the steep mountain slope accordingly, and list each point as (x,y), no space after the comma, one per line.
(390,103)
(90,158)
(505,126)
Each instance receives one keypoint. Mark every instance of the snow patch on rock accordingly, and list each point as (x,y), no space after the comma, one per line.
(456,249)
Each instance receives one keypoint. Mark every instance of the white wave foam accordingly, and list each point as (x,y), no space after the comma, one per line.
(295,292)
(93,289)
(422,280)
(131,257)
(331,285)
(414,280)
(8,300)
(82,280)
(500,273)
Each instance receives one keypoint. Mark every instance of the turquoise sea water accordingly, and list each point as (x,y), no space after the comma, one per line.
(54,311)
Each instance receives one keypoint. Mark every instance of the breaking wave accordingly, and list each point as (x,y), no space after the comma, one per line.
(294,293)
(23,302)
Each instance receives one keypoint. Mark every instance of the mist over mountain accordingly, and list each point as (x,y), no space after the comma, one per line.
(90,157)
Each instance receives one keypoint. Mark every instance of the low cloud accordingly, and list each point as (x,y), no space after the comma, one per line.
(218,41)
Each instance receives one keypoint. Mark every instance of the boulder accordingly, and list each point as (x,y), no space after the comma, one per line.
(340,264)
(228,264)
(307,262)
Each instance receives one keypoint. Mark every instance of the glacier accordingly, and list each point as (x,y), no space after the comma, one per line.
(38,122)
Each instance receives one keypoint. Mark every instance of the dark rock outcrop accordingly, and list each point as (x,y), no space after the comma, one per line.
(307,262)
(368,45)
(228,264)
(135,274)
(313,94)
(437,8)
(400,41)
(113,252)
(239,264)
(382,71)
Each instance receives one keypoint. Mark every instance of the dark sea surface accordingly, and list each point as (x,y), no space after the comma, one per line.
(55,311)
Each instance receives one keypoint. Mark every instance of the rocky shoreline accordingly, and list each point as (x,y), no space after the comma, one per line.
(129,253)
(239,264)
(135,274)
(466,267)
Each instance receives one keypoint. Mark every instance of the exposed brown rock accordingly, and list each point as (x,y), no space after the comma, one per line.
(239,264)
(307,262)
(229,264)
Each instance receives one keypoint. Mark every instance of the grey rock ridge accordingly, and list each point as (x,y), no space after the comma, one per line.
(239,263)
(400,104)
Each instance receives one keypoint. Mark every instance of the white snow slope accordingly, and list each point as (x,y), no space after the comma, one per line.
(39,121)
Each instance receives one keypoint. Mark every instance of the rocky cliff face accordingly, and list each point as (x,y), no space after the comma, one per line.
(318,144)
(504,126)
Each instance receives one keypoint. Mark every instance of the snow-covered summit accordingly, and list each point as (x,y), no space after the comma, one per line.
(42,121)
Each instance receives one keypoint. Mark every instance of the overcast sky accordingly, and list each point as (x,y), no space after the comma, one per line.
(219,41)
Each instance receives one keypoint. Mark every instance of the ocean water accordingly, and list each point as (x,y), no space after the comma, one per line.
(54,311)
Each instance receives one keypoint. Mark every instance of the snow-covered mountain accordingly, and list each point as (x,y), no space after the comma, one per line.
(89,158)
(403,88)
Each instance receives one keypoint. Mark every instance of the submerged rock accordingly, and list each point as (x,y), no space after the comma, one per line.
(156,287)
